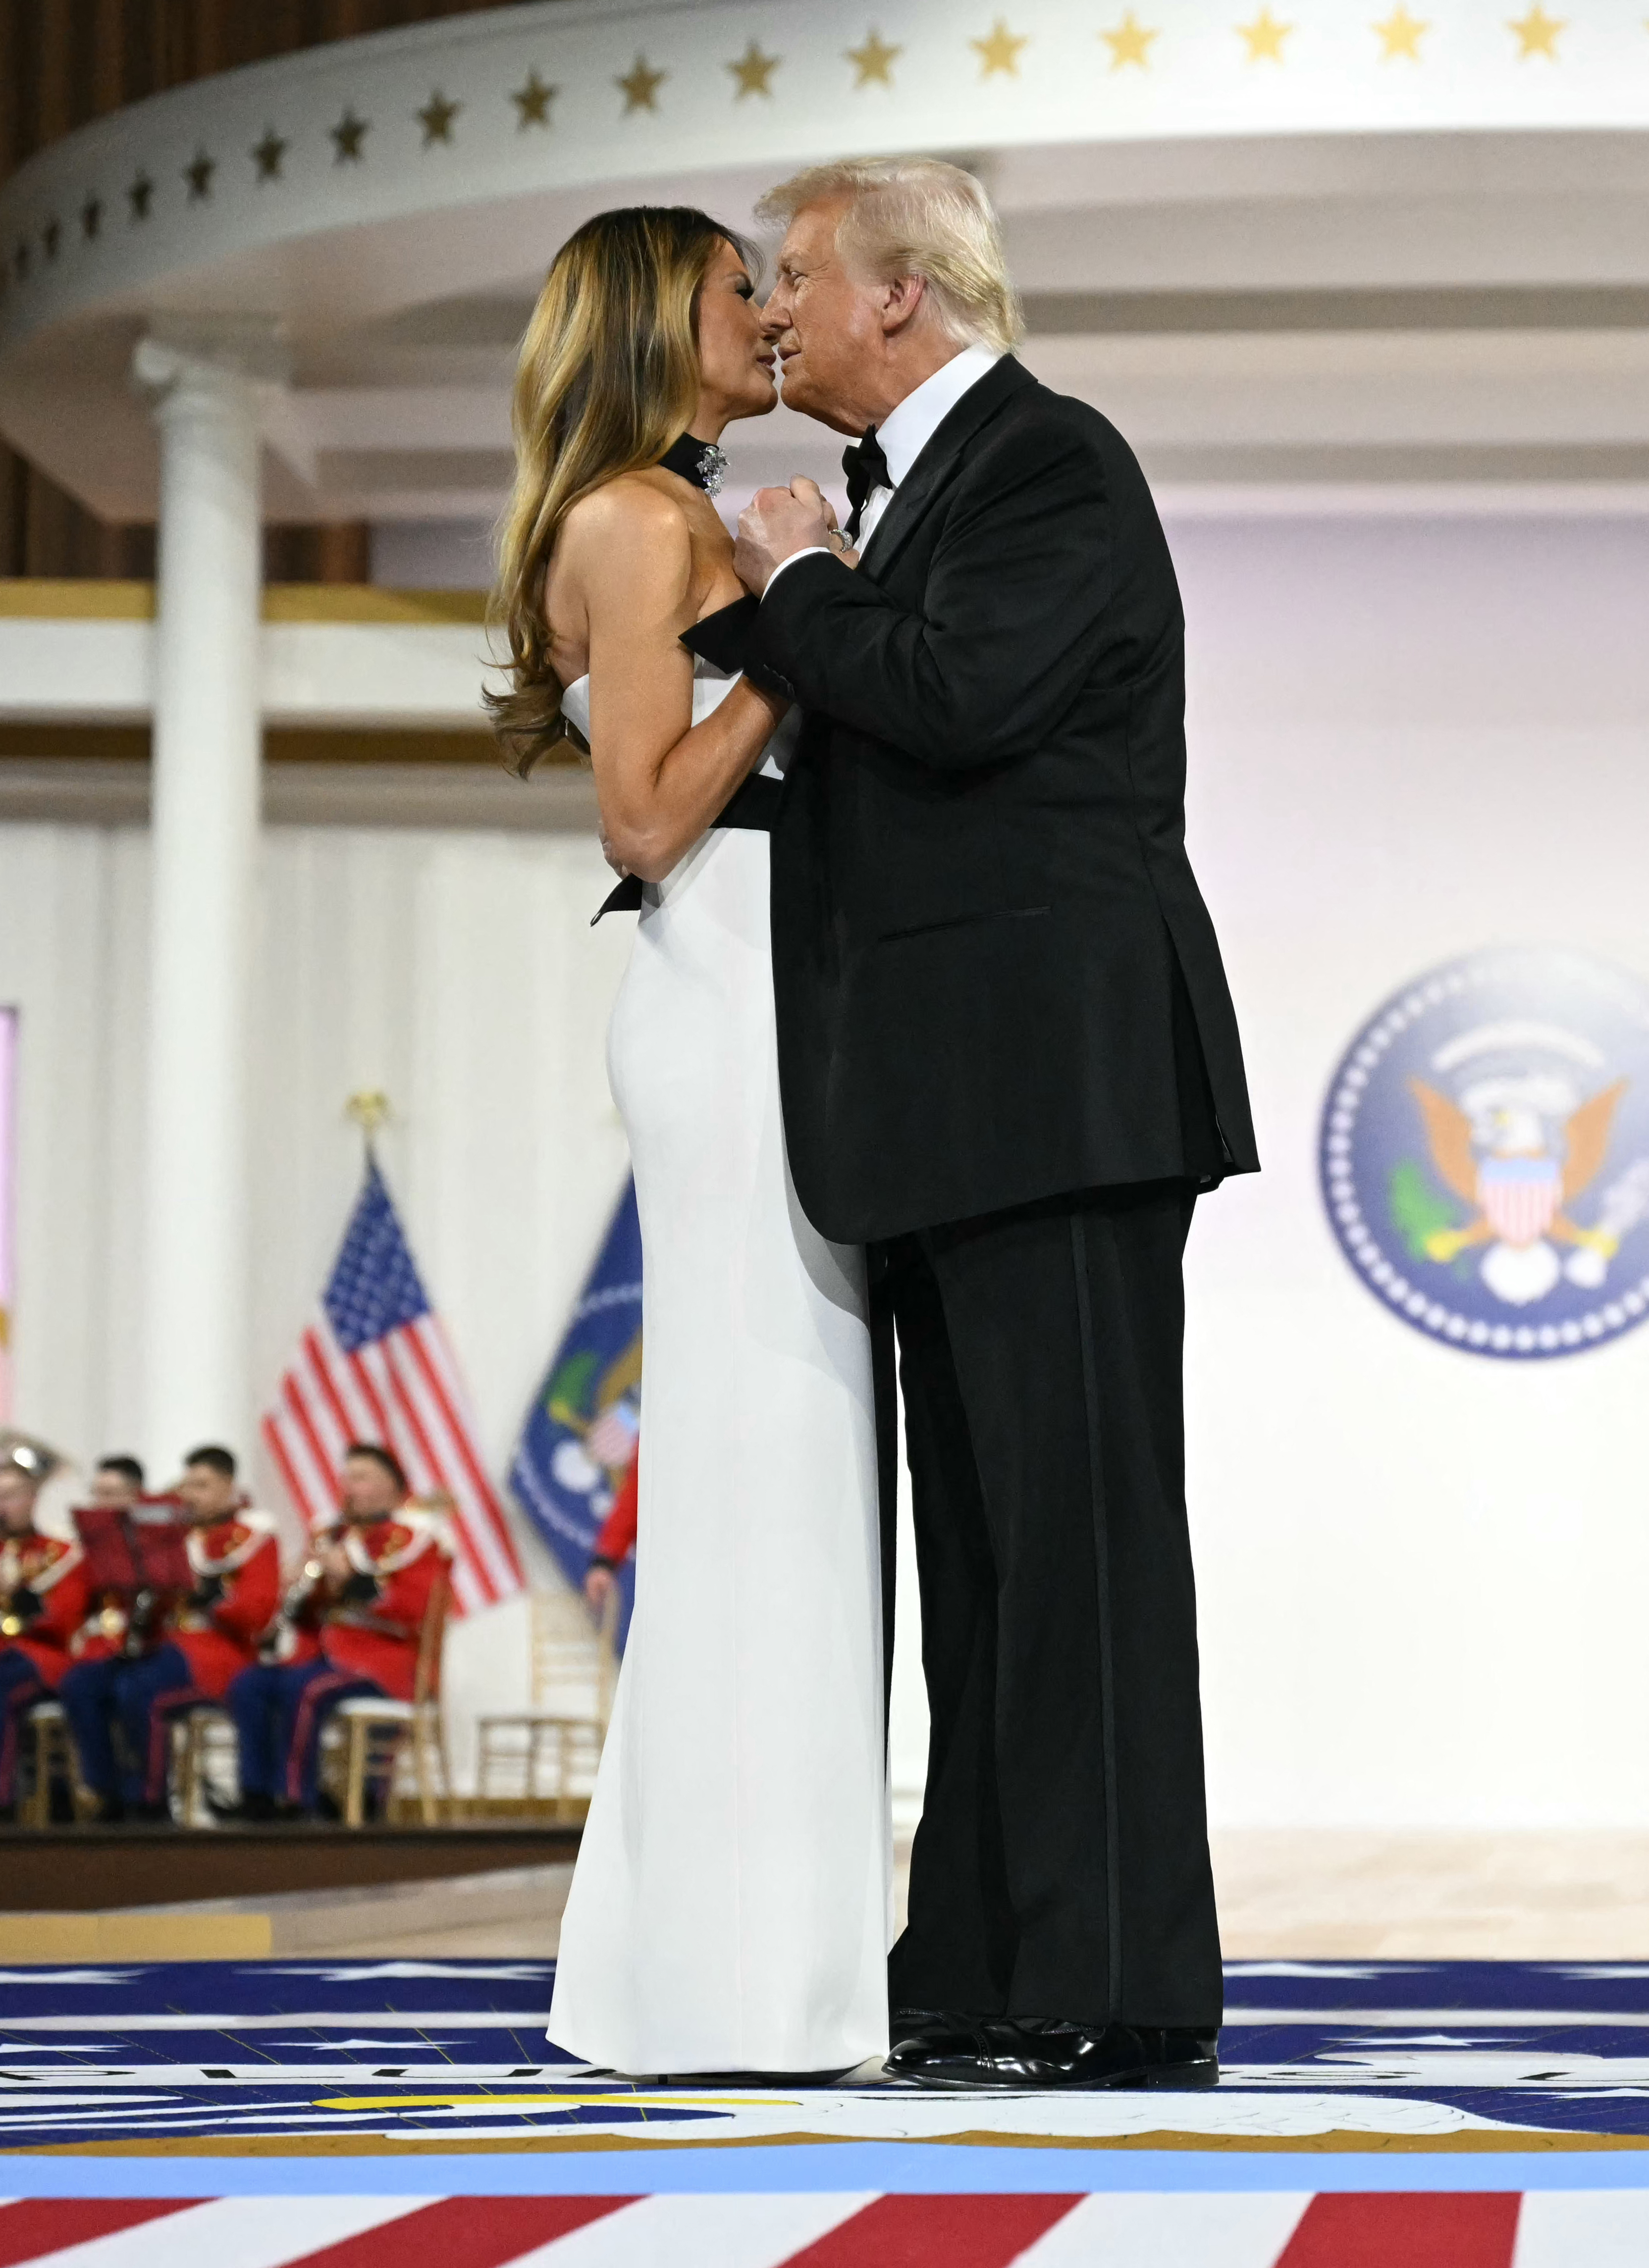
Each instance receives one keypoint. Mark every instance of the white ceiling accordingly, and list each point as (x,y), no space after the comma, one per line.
(1452,308)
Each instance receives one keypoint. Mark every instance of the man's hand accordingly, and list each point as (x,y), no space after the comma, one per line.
(775,525)
(597,1583)
(609,854)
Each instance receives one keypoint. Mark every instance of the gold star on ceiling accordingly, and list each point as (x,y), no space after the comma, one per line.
(140,196)
(268,154)
(1399,34)
(1265,37)
(753,71)
(533,101)
(1537,32)
(641,86)
(347,134)
(999,50)
(873,62)
(1130,43)
(436,118)
(91,217)
(199,173)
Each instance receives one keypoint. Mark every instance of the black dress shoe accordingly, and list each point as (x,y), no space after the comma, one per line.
(1034,2052)
(252,1810)
(917,2024)
(916,2036)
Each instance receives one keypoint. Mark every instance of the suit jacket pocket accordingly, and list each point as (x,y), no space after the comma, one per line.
(962,921)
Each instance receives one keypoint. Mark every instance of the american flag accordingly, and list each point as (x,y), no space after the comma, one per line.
(373,1365)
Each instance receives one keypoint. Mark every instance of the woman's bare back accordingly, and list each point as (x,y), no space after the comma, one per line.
(640,508)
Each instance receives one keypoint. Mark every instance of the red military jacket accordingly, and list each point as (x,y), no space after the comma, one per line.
(617,1539)
(219,1641)
(54,1570)
(406,1554)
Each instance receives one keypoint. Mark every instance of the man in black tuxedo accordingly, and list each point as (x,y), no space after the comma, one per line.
(1008,1062)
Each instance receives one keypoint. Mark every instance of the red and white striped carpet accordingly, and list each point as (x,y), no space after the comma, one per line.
(1128,2229)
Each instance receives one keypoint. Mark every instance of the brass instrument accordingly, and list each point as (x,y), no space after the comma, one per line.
(26,1454)
(22,1453)
(13,1621)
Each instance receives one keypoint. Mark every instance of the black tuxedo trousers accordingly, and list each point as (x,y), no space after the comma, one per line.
(1061,1867)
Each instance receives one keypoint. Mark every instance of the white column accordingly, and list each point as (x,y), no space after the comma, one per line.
(203,878)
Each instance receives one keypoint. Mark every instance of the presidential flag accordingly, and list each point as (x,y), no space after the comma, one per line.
(580,1433)
(373,1365)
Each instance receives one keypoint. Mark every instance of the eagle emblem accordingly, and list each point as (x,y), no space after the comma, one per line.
(1485,1152)
(599,1404)
(1508,1151)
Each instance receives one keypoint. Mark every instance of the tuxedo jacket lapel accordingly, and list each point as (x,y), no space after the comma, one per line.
(934,467)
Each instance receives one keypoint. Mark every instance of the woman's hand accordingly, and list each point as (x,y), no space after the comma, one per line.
(607,852)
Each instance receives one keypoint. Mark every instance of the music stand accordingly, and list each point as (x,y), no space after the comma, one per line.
(128,1555)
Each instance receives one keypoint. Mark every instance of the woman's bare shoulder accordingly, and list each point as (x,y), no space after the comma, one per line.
(631,508)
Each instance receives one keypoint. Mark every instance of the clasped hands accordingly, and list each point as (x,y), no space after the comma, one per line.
(777,523)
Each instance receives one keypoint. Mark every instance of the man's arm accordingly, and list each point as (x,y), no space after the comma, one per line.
(1011,616)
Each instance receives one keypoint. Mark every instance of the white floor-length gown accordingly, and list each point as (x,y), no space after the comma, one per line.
(729,1909)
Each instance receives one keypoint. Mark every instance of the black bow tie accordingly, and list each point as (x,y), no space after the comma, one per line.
(867,470)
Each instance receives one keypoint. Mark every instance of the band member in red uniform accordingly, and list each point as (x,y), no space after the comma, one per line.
(616,1540)
(208,1637)
(43,1603)
(352,1626)
(118,1484)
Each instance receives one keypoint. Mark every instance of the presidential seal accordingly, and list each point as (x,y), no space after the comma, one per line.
(1484,1152)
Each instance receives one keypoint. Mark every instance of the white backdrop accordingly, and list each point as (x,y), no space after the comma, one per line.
(1423,1573)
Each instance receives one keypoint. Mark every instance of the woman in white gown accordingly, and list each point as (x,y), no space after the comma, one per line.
(730,1908)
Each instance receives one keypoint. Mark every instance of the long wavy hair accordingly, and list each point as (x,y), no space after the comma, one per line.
(606,379)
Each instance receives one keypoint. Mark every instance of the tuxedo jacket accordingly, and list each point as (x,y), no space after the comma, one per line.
(995,977)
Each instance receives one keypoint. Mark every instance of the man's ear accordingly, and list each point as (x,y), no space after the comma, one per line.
(902,303)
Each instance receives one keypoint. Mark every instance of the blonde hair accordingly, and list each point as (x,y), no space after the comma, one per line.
(607,378)
(917,216)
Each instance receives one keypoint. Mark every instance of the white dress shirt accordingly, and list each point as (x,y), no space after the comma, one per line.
(905,432)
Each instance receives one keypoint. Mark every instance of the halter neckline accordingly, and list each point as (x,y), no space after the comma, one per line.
(701,462)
